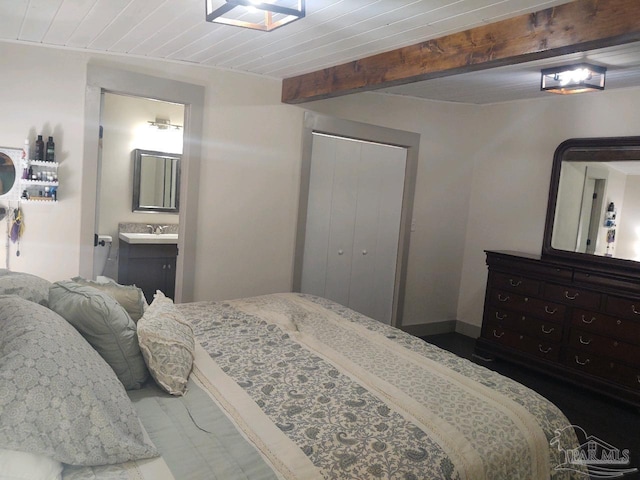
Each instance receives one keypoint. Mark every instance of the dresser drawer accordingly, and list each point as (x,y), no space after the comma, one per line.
(514,283)
(533,306)
(572,296)
(614,327)
(604,368)
(623,307)
(548,331)
(522,343)
(590,343)
(533,268)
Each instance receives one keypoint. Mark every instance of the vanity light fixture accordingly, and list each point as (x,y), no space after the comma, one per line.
(164,124)
(254,14)
(568,79)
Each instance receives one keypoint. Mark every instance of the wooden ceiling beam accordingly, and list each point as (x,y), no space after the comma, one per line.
(573,27)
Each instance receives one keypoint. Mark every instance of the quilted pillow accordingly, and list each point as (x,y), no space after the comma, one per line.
(129,297)
(59,398)
(25,285)
(106,326)
(167,344)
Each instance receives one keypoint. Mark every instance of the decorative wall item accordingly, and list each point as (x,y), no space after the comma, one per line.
(9,162)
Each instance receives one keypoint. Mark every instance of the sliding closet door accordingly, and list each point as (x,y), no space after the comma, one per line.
(353,222)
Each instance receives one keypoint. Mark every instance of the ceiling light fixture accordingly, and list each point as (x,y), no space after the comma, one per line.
(569,79)
(257,15)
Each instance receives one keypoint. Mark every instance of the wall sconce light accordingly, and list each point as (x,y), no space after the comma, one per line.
(569,79)
(255,14)
(164,124)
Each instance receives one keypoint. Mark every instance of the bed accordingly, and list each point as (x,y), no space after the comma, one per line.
(281,386)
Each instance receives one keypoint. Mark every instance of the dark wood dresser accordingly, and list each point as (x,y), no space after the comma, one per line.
(576,322)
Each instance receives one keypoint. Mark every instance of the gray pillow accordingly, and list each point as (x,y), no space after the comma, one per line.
(106,326)
(59,398)
(30,287)
(129,296)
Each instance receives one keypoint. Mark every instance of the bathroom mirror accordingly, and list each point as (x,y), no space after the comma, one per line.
(156,181)
(593,213)
(8,159)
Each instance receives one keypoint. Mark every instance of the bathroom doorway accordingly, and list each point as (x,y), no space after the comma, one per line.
(129,123)
(101,78)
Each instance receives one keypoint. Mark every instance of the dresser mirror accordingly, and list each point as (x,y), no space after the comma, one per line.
(593,213)
(156,181)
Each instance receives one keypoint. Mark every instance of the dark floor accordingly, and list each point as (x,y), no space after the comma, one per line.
(613,422)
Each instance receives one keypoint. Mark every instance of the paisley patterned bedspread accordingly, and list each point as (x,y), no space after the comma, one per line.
(324,392)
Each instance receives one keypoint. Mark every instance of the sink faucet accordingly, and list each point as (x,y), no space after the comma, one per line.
(157,229)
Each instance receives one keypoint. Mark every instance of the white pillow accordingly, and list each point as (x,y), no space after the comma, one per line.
(16,465)
(167,344)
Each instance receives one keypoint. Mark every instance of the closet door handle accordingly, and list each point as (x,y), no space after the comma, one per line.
(340,252)
(364,252)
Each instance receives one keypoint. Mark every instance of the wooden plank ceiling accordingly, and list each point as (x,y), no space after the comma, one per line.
(573,27)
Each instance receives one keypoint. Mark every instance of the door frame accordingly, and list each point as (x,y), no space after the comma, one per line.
(99,79)
(314,122)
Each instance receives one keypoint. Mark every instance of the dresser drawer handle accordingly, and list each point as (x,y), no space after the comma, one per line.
(503,299)
(571,297)
(500,317)
(584,320)
(515,283)
(638,378)
(547,331)
(542,350)
(584,342)
(495,334)
(582,363)
(633,309)
(550,311)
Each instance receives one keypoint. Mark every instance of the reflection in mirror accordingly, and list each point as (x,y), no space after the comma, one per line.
(594,204)
(156,181)
(7,173)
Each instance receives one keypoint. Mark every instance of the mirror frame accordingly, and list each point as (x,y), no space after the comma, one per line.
(137,170)
(603,149)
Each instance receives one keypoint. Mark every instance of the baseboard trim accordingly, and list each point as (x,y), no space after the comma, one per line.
(445,326)
(467,329)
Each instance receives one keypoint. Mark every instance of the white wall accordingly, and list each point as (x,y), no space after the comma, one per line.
(249,169)
(482,182)
(510,187)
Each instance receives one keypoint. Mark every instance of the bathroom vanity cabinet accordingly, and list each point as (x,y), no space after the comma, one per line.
(149,266)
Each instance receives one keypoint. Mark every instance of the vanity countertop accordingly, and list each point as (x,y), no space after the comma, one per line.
(154,238)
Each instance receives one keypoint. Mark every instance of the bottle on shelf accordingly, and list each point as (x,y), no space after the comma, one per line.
(50,152)
(39,154)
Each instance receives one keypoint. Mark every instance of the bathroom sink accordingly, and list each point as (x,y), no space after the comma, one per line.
(149,237)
